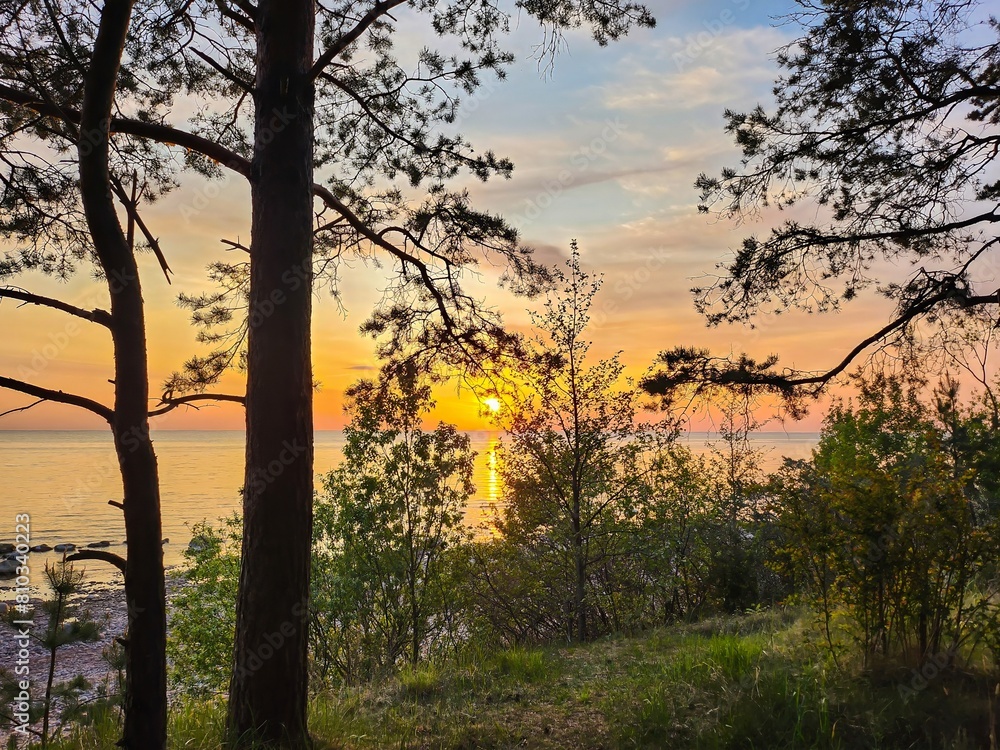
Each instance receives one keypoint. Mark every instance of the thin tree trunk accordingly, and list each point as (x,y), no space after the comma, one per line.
(268,694)
(415,635)
(54,625)
(414,605)
(146,682)
(580,594)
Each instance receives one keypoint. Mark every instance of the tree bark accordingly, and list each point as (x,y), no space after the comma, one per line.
(146,683)
(268,693)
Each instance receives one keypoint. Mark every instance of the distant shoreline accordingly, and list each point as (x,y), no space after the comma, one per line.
(684,435)
(65,478)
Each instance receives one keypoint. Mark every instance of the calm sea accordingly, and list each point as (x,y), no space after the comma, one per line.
(65,479)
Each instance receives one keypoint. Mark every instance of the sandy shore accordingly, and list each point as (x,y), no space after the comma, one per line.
(105,604)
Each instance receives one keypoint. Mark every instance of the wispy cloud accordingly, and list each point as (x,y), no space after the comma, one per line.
(678,74)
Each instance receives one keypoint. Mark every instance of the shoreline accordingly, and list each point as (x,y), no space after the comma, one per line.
(101,601)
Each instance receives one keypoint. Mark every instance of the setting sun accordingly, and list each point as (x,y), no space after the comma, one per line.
(492,405)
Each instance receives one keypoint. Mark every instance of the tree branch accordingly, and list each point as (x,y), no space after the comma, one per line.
(224,71)
(95,554)
(172,403)
(685,367)
(246,21)
(381,8)
(22,408)
(417,147)
(59,397)
(132,208)
(172,136)
(127,126)
(235,245)
(809,239)
(101,317)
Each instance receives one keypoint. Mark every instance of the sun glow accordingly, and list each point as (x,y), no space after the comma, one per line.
(492,405)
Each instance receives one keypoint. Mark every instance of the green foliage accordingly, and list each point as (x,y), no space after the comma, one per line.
(503,597)
(607,524)
(521,664)
(386,529)
(203,615)
(706,529)
(676,557)
(197,724)
(740,526)
(571,467)
(419,681)
(889,521)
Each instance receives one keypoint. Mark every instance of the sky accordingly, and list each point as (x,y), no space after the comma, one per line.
(606,147)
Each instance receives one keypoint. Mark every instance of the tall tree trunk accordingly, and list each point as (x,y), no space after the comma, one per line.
(145,682)
(268,694)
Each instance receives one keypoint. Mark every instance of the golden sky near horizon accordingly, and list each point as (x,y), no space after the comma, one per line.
(606,150)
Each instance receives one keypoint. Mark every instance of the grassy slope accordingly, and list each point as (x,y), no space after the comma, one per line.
(751,682)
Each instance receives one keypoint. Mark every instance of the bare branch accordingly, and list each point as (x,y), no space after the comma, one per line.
(95,554)
(246,21)
(228,74)
(172,403)
(132,208)
(59,397)
(22,408)
(235,245)
(101,317)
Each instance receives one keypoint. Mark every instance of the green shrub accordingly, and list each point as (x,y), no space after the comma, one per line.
(203,611)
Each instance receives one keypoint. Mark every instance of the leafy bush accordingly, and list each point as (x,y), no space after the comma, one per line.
(203,615)
(386,529)
(889,521)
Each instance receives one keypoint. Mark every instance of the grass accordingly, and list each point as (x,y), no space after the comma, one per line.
(725,684)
